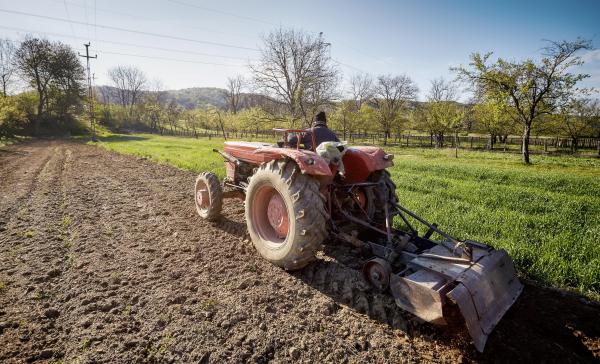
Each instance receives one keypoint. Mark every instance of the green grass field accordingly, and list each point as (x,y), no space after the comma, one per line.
(547,215)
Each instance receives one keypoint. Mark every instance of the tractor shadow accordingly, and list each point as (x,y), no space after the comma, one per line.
(232,227)
(544,325)
(338,274)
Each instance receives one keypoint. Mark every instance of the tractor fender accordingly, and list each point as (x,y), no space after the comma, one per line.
(309,162)
(361,161)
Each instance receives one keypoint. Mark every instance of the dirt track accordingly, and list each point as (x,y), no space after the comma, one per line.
(103,259)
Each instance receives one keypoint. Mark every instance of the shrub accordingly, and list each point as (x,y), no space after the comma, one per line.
(12,116)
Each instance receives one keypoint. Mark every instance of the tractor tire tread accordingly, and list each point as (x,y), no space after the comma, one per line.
(309,212)
(215,194)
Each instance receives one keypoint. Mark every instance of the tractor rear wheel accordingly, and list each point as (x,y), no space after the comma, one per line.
(208,196)
(285,214)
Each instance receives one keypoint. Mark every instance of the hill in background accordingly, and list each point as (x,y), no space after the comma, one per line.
(191,98)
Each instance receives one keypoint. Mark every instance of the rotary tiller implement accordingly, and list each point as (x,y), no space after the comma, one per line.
(296,199)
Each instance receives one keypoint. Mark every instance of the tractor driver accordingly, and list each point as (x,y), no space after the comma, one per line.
(321,131)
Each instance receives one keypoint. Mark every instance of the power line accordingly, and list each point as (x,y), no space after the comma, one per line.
(150,57)
(162,36)
(170,59)
(359,51)
(162,49)
(348,66)
(221,12)
(69,17)
(127,44)
(95,22)
(128,30)
(130,54)
(87,23)
(270,23)
(145,18)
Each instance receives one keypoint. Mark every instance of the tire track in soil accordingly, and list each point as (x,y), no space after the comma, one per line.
(13,201)
(143,279)
(36,255)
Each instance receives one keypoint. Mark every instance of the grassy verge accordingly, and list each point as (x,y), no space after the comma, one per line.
(547,215)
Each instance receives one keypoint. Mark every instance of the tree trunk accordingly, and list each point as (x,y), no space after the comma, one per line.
(456,145)
(525,143)
(573,144)
(38,119)
(439,140)
(222,128)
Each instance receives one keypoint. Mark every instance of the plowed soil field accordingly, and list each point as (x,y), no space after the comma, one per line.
(103,259)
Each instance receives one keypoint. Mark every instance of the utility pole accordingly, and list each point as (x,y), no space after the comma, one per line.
(90,95)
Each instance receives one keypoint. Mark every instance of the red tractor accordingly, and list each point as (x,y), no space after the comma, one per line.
(297,199)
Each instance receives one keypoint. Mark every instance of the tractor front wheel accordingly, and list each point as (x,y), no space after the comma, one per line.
(285,214)
(208,196)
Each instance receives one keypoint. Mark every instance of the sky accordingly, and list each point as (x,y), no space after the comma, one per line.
(199,43)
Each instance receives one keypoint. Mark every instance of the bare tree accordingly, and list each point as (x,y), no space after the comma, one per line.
(156,94)
(392,93)
(295,68)
(442,90)
(361,87)
(7,63)
(130,83)
(234,90)
(319,97)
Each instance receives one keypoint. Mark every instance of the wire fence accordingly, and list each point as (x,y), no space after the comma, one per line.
(405,140)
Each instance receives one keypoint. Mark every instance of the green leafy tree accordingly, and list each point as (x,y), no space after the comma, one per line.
(367,119)
(441,113)
(531,88)
(577,119)
(493,119)
(54,71)
(344,117)
(66,88)
(33,59)
(11,115)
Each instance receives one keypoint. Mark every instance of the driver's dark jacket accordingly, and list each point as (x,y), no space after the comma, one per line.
(322,134)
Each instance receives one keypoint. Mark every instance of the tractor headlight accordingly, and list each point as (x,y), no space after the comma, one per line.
(310,161)
(388,157)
